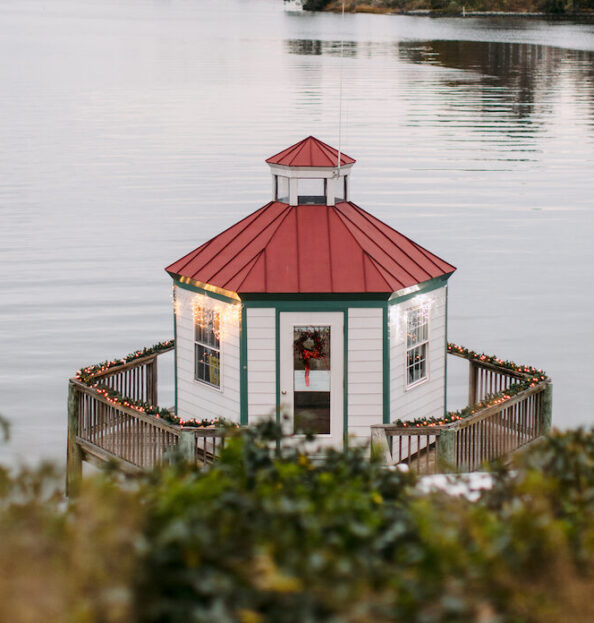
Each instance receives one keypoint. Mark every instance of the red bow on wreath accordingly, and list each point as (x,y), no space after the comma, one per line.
(310,345)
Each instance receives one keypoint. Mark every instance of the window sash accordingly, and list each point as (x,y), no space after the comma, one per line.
(207,346)
(207,365)
(416,364)
(417,344)
(207,327)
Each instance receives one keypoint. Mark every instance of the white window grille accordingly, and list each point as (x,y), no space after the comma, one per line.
(417,344)
(207,346)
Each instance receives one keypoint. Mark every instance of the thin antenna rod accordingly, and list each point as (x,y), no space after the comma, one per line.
(340,87)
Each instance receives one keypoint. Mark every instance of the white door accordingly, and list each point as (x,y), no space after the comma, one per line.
(312,375)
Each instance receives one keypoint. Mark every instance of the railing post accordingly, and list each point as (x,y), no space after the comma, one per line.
(152,389)
(446,449)
(547,409)
(186,447)
(74,455)
(472,382)
(379,445)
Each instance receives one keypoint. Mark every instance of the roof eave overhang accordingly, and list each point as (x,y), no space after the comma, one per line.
(205,288)
(290,171)
(315,296)
(419,288)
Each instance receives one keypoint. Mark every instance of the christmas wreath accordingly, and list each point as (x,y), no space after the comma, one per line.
(310,345)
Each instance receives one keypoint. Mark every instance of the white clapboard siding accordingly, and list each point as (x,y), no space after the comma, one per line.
(261,336)
(365,391)
(427,398)
(194,398)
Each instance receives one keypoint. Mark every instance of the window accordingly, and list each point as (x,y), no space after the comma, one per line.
(341,189)
(281,188)
(311,191)
(207,346)
(417,344)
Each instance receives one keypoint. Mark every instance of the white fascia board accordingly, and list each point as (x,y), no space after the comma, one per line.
(309,172)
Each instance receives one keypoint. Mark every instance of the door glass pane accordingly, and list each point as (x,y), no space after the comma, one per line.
(311,375)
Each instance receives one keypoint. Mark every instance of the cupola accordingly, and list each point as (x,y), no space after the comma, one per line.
(310,173)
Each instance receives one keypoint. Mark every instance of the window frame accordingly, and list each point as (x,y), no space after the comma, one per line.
(277,189)
(323,199)
(423,343)
(207,345)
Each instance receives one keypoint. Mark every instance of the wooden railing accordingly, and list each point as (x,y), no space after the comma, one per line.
(136,380)
(103,430)
(490,433)
(108,431)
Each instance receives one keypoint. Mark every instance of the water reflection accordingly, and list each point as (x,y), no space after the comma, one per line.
(316,47)
(513,81)
(505,83)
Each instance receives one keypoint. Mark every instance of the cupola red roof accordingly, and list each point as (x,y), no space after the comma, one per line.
(310,152)
(310,249)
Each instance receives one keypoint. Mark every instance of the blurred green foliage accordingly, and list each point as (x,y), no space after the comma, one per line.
(272,536)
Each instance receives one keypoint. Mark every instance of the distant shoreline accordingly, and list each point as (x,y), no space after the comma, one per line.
(586,17)
(363,7)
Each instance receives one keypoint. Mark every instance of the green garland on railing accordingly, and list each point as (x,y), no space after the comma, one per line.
(509,365)
(85,375)
(88,376)
(532,376)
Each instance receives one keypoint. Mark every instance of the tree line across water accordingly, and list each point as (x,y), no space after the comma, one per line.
(269,536)
(556,7)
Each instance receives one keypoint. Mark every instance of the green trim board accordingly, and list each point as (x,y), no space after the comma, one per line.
(316,306)
(386,365)
(345,372)
(321,304)
(175,351)
(445,356)
(345,379)
(313,305)
(243,371)
(321,296)
(353,299)
(277,409)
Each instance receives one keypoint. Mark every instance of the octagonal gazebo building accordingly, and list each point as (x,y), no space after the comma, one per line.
(312,309)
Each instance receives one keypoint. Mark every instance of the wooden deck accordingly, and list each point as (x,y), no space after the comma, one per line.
(492,432)
(111,419)
(113,427)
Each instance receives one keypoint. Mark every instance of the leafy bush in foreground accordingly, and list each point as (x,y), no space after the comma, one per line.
(265,537)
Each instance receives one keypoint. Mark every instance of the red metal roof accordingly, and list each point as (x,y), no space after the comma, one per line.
(310,152)
(310,249)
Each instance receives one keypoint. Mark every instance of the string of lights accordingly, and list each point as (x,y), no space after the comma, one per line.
(90,376)
(530,377)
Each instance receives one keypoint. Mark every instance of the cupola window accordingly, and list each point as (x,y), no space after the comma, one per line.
(311,191)
(340,192)
(281,188)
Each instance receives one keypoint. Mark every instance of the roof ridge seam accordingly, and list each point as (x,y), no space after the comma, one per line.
(288,211)
(205,245)
(367,217)
(429,255)
(253,263)
(252,240)
(380,267)
(377,245)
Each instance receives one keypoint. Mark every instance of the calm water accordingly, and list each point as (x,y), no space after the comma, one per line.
(133,131)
